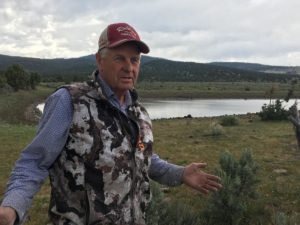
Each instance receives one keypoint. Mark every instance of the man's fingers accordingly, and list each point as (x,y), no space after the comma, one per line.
(214,185)
(196,178)
(210,188)
(200,165)
(213,178)
(203,190)
(214,181)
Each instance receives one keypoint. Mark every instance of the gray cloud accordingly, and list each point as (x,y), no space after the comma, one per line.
(193,30)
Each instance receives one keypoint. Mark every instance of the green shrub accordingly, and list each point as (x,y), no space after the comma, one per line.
(34,80)
(162,211)
(157,206)
(229,121)
(215,129)
(2,80)
(19,79)
(281,218)
(273,111)
(233,205)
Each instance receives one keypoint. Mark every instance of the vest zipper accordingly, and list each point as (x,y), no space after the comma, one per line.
(133,148)
(88,208)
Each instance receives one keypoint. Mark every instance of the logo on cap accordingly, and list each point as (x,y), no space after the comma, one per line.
(127,31)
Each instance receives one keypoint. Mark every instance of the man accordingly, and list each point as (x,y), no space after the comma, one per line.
(95,142)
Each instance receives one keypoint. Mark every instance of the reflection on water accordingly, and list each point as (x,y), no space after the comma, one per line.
(200,107)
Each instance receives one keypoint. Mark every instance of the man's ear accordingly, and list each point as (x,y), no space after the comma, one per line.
(98,61)
(98,58)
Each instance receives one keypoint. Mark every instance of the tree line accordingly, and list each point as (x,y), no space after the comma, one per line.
(166,70)
(16,77)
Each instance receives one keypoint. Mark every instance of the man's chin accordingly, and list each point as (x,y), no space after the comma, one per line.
(124,88)
(127,86)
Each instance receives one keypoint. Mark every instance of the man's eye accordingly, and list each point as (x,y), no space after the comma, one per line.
(118,59)
(135,60)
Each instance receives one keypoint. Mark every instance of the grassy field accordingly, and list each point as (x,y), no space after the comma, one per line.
(17,107)
(179,141)
(273,145)
(215,90)
(182,141)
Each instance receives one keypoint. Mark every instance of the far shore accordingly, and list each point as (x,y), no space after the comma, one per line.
(14,106)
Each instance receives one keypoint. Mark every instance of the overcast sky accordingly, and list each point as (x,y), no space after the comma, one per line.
(258,31)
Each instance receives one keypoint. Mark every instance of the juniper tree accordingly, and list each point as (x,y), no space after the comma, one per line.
(17,77)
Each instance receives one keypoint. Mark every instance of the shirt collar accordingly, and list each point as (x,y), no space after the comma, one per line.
(110,95)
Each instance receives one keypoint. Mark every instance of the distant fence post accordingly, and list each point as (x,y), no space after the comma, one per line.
(294,118)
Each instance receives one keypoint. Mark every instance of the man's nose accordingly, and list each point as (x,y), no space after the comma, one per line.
(128,66)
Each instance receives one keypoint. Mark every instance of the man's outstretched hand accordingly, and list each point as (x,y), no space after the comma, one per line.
(7,216)
(195,178)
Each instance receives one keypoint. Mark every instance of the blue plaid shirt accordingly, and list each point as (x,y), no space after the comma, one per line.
(32,168)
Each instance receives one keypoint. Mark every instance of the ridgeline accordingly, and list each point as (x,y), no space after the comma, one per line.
(157,69)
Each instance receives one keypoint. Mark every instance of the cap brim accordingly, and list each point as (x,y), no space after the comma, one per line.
(141,45)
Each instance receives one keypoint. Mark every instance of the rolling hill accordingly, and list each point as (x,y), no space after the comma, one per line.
(260,67)
(158,69)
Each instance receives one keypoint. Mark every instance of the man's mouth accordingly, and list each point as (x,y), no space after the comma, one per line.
(127,78)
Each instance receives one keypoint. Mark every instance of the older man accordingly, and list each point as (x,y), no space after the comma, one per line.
(95,142)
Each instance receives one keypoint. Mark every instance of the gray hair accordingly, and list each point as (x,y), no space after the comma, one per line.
(103,52)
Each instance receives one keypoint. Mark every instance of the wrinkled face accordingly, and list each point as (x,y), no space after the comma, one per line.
(119,67)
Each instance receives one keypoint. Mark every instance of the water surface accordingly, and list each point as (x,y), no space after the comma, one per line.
(201,107)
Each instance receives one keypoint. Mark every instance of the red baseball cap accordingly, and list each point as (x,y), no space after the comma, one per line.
(117,34)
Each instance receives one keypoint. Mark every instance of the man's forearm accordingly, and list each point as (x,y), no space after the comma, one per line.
(165,173)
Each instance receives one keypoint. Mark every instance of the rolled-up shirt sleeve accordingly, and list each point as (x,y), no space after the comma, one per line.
(32,168)
(165,173)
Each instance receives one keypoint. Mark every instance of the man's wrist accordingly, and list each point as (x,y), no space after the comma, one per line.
(16,202)
(8,215)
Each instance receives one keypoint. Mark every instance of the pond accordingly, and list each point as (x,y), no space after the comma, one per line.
(158,108)
(204,107)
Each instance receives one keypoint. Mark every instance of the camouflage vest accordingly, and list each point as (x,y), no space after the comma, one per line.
(100,177)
